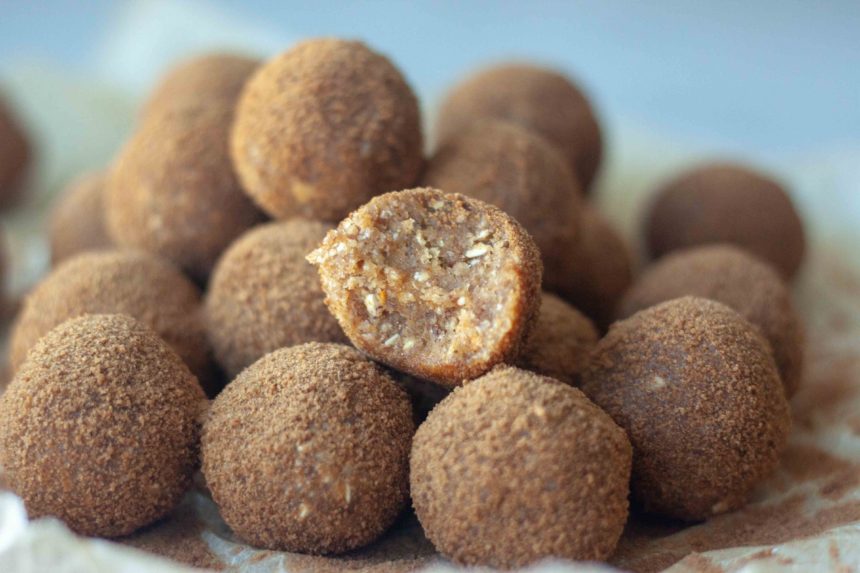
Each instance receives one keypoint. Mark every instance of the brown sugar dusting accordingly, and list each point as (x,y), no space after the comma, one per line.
(807,463)
(529,447)
(320,436)
(337,124)
(403,549)
(177,537)
(754,525)
(815,484)
(837,475)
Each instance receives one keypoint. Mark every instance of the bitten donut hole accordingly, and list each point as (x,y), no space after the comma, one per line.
(424,275)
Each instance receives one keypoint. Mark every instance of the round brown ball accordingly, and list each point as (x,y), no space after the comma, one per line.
(77,219)
(324,127)
(539,99)
(140,285)
(320,437)
(100,426)
(521,173)
(438,285)
(599,269)
(726,203)
(560,342)
(737,279)
(211,77)
(15,155)
(264,295)
(696,388)
(515,467)
(172,190)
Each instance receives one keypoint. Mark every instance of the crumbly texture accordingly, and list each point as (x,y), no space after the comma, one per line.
(264,295)
(323,127)
(77,219)
(599,269)
(211,77)
(100,426)
(140,285)
(518,171)
(15,156)
(515,467)
(560,342)
(172,190)
(307,450)
(438,285)
(696,388)
(539,99)
(727,203)
(737,279)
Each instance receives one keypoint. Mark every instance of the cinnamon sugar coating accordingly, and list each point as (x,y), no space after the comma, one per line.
(519,172)
(100,426)
(696,389)
(515,467)
(727,203)
(307,450)
(140,285)
(264,295)
(323,127)
(172,190)
(77,219)
(560,342)
(435,284)
(538,99)
(739,280)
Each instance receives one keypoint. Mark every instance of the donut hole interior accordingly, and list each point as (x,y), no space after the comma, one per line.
(426,275)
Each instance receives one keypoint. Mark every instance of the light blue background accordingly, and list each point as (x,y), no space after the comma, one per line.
(771,76)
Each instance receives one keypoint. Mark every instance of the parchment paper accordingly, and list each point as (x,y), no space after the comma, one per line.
(806,517)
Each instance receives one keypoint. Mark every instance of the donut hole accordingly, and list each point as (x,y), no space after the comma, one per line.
(429,275)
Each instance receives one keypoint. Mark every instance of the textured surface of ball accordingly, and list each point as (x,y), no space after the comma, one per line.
(438,285)
(519,172)
(324,127)
(307,450)
(737,279)
(560,342)
(77,220)
(726,203)
(264,295)
(515,467)
(696,389)
(173,192)
(536,98)
(100,426)
(140,285)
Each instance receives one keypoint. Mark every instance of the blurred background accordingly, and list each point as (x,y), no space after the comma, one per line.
(764,76)
(773,82)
